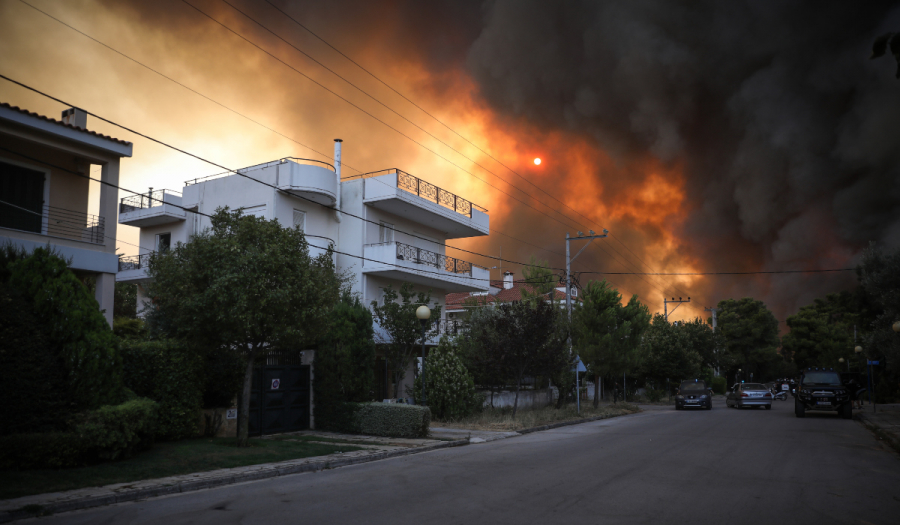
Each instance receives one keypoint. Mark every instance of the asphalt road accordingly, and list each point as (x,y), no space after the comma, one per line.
(688,467)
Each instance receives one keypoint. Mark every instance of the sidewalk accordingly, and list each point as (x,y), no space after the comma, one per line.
(884,421)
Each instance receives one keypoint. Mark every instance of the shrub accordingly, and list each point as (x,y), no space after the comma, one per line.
(450,389)
(33,383)
(393,420)
(108,433)
(223,376)
(118,431)
(343,366)
(41,451)
(73,326)
(128,328)
(654,395)
(170,374)
(719,385)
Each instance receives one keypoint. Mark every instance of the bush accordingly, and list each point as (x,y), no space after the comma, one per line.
(392,420)
(450,389)
(33,381)
(73,326)
(170,374)
(108,433)
(128,328)
(223,376)
(654,395)
(719,385)
(118,431)
(53,450)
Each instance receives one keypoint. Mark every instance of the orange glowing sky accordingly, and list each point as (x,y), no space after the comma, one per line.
(644,200)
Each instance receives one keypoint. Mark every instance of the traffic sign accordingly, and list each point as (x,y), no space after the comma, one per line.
(874,362)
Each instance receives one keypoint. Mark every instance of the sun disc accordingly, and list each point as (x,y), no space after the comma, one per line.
(537,162)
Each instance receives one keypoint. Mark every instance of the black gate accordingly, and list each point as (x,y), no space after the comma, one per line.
(279,398)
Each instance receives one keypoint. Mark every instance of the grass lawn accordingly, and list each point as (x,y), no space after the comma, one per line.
(168,459)
(500,419)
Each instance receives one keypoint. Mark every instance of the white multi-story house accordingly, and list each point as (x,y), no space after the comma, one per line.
(44,192)
(391,227)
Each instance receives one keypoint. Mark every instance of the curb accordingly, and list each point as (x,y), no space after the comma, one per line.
(569,423)
(278,469)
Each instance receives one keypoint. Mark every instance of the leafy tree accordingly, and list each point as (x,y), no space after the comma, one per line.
(814,341)
(750,331)
(708,344)
(245,284)
(529,339)
(402,329)
(344,365)
(125,301)
(72,325)
(478,349)
(450,389)
(670,352)
(879,277)
(606,334)
(539,278)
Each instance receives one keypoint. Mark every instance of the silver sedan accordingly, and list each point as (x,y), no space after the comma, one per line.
(749,395)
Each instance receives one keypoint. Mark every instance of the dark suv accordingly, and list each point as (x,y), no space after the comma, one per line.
(693,394)
(820,389)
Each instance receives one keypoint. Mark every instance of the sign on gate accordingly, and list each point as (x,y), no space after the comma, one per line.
(276,383)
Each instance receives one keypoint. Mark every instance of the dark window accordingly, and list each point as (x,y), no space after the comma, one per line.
(21,198)
(163,242)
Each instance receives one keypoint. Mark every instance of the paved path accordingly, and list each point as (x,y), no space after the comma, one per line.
(885,418)
(661,466)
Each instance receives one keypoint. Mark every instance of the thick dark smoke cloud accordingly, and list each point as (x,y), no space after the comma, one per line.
(786,131)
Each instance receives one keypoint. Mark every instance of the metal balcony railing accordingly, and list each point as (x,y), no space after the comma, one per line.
(134,262)
(53,222)
(406,252)
(426,190)
(449,326)
(144,200)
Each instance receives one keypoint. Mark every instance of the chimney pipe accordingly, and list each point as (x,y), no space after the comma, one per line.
(75,117)
(507,280)
(337,173)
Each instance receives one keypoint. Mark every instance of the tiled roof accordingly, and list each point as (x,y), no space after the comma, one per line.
(60,123)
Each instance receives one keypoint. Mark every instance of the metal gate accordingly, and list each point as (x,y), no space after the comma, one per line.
(279,397)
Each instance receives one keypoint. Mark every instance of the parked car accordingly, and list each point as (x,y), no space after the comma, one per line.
(694,393)
(820,389)
(749,395)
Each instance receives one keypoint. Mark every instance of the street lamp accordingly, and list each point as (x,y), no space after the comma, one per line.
(896,326)
(424,315)
(842,360)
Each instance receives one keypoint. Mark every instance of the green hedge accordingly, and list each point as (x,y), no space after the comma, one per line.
(170,374)
(393,420)
(108,433)
(718,384)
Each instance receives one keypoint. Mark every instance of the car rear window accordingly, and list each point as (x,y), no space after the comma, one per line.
(753,386)
(691,385)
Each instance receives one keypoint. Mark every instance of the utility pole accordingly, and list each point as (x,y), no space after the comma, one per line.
(715,325)
(581,236)
(672,300)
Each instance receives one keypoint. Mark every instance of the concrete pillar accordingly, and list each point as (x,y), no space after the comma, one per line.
(105,294)
(109,204)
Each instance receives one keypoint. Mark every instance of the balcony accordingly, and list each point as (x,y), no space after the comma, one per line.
(402,194)
(151,209)
(396,260)
(54,222)
(133,268)
(438,329)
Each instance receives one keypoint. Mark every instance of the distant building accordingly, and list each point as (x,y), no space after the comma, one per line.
(505,291)
(44,165)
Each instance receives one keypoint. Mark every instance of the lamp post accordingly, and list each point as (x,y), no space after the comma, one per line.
(424,315)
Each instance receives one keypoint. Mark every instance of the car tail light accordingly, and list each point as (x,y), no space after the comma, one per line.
(768,395)
(745,394)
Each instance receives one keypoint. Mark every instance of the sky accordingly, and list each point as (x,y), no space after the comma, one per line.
(736,136)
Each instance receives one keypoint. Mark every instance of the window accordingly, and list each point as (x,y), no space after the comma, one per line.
(22,196)
(300,220)
(256,211)
(163,242)
(195,222)
(386,232)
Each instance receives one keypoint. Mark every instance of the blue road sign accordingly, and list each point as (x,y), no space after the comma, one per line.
(874,362)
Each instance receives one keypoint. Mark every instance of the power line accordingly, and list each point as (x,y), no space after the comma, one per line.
(732,273)
(114,50)
(432,117)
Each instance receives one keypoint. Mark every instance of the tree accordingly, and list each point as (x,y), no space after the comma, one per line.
(539,279)
(73,326)
(606,334)
(750,331)
(708,344)
(450,388)
(478,349)
(879,277)
(125,301)
(402,330)
(344,364)
(669,352)
(247,285)
(530,340)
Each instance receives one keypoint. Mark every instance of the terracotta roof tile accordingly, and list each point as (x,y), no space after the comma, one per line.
(60,123)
